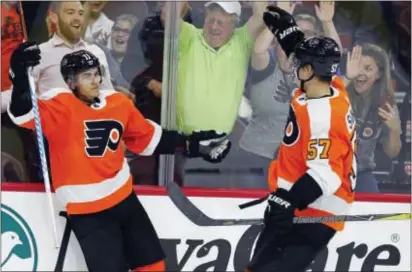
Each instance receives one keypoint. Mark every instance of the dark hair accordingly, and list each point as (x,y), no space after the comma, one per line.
(382,89)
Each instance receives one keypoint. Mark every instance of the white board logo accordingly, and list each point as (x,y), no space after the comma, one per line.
(18,246)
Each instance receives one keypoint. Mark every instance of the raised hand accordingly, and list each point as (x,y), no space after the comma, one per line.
(287,6)
(26,55)
(325,11)
(353,63)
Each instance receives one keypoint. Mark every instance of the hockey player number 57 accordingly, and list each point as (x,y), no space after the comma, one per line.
(318,148)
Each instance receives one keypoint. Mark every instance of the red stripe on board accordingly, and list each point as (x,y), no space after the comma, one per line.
(208,192)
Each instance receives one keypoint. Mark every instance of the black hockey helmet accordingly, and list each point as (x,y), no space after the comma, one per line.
(77,62)
(322,53)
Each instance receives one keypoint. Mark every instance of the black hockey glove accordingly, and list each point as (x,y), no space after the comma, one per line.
(284,27)
(24,56)
(282,204)
(279,212)
(210,145)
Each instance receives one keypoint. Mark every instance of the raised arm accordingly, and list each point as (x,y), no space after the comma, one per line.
(53,112)
(353,64)
(325,12)
(260,56)
(255,23)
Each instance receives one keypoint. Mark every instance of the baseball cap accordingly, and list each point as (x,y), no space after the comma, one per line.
(232,7)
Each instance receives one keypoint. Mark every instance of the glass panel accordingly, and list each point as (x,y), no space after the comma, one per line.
(170,70)
(213,75)
(219,89)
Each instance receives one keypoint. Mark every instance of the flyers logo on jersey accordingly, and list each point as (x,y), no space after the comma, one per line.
(102,135)
(292,130)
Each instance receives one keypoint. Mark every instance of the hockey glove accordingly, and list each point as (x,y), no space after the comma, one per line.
(282,203)
(284,27)
(279,212)
(24,56)
(210,145)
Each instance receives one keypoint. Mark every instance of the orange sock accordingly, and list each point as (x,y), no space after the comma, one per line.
(159,266)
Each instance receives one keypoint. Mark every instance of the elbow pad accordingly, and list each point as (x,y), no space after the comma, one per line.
(170,142)
(20,103)
(305,191)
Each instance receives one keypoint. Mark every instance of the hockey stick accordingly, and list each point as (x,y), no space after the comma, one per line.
(195,215)
(39,134)
(65,243)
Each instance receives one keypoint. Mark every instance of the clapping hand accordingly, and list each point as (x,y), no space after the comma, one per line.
(389,117)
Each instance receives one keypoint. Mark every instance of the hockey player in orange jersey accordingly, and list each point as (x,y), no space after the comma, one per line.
(84,126)
(314,171)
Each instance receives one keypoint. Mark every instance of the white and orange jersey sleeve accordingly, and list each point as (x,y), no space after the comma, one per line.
(141,135)
(53,109)
(329,144)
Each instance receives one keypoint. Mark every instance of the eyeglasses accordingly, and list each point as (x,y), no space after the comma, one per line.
(121,30)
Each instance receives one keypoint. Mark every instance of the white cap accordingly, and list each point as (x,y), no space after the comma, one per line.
(232,7)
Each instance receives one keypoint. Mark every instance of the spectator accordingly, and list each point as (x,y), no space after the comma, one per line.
(144,65)
(11,37)
(401,173)
(144,52)
(99,26)
(272,82)
(368,82)
(147,79)
(68,17)
(118,41)
(213,64)
(14,141)
(139,9)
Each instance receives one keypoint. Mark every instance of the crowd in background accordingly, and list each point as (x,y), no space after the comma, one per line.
(232,77)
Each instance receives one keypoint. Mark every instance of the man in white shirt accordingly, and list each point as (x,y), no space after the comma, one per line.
(99,26)
(69,20)
(68,17)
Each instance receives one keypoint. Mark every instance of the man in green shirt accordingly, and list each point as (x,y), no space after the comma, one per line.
(213,64)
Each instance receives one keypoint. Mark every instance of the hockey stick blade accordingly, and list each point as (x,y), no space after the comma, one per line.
(197,217)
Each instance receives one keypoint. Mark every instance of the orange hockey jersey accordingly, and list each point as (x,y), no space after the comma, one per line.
(89,170)
(319,140)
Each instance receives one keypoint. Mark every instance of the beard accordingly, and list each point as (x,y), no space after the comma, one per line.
(68,33)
